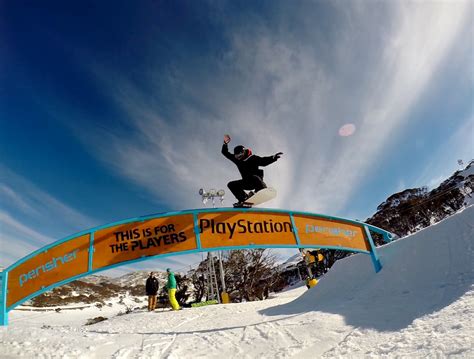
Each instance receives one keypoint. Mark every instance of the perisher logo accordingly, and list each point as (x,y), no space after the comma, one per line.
(335,231)
(48,266)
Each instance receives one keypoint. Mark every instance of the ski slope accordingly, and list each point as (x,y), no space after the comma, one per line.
(420,305)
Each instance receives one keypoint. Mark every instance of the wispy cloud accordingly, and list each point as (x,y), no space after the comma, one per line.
(29,217)
(273,93)
(416,43)
(443,162)
(17,240)
(21,194)
(22,230)
(9,195)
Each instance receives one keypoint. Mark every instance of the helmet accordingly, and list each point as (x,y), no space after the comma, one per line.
(238,149)
(239,152)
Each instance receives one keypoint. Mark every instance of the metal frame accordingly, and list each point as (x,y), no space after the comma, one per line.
(387,236)
(3,298)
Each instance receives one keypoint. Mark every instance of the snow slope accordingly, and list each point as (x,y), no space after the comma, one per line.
(420,305)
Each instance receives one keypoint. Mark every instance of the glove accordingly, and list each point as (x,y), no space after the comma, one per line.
(278,155)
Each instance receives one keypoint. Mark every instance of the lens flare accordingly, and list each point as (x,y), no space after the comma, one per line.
(347,130)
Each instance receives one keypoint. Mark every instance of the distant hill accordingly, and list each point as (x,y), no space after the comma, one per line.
(409,211)
(97,289)
(138,279)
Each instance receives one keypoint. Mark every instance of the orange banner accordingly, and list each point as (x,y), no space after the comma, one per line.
(134,240)
(227,229)
(173,234)
(61,262)
(326,232)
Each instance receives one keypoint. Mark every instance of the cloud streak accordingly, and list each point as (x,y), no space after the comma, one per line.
(273,93)
(417,42)
(29,217)
(461,145)
(17,239)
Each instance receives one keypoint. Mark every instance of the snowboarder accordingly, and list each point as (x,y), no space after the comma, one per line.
(171,286)
(151,288)
(248,165)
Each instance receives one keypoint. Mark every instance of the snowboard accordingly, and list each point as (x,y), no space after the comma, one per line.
(260,197)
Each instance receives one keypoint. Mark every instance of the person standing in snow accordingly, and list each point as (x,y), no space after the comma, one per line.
(248,165)
(151,288)
(171,287)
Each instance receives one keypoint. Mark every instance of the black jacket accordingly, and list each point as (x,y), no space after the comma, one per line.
(151,286)
(248,166)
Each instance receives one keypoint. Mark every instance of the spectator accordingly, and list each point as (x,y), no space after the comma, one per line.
(151,291)
(171,286)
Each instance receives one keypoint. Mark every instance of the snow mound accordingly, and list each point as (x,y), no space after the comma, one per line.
(421,274)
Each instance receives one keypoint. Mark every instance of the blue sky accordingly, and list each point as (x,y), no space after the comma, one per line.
(114,109)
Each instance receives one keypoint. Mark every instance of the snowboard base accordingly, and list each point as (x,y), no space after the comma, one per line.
(260,197)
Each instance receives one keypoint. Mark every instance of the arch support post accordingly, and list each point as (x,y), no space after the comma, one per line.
(373,252)
(3,298)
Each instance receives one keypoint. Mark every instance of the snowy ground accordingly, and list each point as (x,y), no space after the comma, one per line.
(420,305)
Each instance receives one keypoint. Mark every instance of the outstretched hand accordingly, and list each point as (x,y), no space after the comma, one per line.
(226,138)
(278,155)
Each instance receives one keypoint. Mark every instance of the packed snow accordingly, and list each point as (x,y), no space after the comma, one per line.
(421,304)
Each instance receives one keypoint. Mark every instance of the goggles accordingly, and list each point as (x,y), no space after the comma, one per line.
(240,155)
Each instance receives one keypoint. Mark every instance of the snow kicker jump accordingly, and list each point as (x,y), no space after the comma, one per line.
(177,233)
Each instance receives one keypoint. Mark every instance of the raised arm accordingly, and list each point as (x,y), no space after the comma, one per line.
(225,149)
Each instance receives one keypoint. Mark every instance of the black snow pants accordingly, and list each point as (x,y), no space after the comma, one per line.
(253,183)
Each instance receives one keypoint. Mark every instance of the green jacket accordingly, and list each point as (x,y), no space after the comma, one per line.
(171,281)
